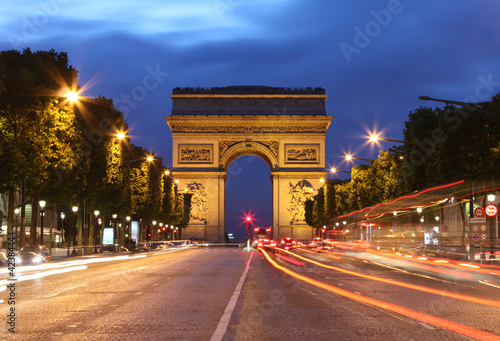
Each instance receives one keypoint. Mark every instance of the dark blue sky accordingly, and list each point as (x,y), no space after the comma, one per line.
(374,58)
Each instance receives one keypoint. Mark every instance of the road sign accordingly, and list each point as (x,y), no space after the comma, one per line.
(475,228)
(475,236)
(483,227)
(484,236)
(491,210)
(419,228)
(444,228)
(477,220)
(407,226)
(478,212)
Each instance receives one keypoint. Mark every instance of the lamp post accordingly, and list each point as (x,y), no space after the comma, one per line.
(127,232)
(115,231)
(75,211)
(42,213)
(446,101)
(349,157)
(96,214)
(16,215)
(63,228)
(376,138)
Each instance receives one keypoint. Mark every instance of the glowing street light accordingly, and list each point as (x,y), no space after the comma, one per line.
(72,96)
(349,157)
(42,212)
(120,135)
(335,170)
(375,138)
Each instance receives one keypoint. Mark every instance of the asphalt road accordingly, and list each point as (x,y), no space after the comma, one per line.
(230,294)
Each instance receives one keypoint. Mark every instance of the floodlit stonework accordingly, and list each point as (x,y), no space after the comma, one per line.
(213,127)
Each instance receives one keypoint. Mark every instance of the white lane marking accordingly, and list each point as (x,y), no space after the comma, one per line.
(226,317)
(138,293)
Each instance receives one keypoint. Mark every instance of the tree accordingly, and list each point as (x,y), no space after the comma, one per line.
(36,127)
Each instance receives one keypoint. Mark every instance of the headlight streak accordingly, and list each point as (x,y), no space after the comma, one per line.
(483,301)
(429,319)
(44,274)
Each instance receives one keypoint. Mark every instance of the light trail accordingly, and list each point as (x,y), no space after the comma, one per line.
(482,301)
(471,268)
(42,274)
(429,319)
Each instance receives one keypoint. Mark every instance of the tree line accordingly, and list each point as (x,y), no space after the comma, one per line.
(441,145)
(72,153)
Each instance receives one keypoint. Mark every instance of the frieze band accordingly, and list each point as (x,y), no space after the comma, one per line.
(189,128)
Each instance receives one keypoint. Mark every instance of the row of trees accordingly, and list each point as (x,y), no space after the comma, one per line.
(441,145)
(73,153)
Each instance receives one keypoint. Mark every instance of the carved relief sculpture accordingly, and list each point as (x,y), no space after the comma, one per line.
(198,201)
(301,153)
(299,193)
(195,153)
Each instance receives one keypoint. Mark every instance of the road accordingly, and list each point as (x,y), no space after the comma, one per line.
(229,294)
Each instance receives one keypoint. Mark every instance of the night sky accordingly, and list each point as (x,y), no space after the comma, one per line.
(373,58)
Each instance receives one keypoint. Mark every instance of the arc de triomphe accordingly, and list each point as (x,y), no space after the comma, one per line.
(213,127)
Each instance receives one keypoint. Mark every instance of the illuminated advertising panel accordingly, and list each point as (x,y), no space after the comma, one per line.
(135,231)
(108,236)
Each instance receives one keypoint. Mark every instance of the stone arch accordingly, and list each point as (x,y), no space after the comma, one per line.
(248,148)
(284,127)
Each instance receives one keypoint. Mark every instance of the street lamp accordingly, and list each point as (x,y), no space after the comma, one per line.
(16,214)
(375,138)
(65,230)
(75,211)
(335,170)
(115,231)
(96,214)
(42,212)
(446,101)
(349,157)
(72,96)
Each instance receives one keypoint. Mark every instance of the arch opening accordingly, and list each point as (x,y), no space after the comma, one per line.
(248,148)
(248,192)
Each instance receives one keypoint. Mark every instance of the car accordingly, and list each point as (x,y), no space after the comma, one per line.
(288,243)
(34,254)
(143,247)
(316,243)
(266,243)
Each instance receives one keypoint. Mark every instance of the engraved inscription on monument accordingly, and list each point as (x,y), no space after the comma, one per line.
(302,153)
(195,153)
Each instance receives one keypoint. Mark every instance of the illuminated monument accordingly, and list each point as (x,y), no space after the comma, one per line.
(213,127)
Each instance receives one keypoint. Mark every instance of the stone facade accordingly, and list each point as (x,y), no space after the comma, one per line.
(204,145)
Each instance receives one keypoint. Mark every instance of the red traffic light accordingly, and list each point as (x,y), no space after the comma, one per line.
(248,218)
(257,229)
